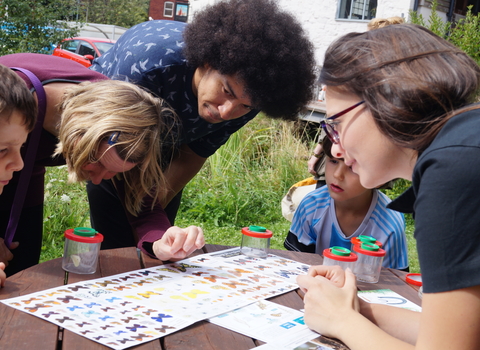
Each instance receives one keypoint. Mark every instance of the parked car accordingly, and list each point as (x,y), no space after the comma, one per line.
(83,49)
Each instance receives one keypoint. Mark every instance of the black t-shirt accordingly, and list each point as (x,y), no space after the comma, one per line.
(445,198)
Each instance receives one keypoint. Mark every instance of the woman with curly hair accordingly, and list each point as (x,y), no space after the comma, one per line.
(236,58)
(103,129)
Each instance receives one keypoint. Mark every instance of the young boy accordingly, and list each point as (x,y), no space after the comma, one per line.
(17,118)
(333,214)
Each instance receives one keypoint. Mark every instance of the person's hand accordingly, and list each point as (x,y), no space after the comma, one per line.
(5,253)
(335,274)
(327,306)
(314,159)
(178,243)
(3,276)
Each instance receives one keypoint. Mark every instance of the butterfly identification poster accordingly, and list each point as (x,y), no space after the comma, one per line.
(128,309)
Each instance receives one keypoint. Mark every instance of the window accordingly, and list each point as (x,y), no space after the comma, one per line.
(70,45)
(86,49)
(357,9)
(168,9)
(461,6)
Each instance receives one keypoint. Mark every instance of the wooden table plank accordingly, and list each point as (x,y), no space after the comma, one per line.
(19,330)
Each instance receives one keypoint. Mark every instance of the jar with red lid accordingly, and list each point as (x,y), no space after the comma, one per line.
(82,245)
(365,239)
(369,263)
(340,256)
(255,241)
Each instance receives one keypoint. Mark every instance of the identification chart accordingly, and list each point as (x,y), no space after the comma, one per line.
(128,309)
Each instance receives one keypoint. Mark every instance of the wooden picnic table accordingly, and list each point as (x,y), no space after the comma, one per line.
(21,331)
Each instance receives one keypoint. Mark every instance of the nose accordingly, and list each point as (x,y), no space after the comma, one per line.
(227,110)
(16,163)
(337,151)
(339,172)
(97,176)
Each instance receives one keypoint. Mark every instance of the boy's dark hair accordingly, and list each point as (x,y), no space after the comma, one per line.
(266,48)
(327,147)
(14,95)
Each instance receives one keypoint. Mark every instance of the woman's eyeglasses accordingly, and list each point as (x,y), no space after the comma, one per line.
(328,126)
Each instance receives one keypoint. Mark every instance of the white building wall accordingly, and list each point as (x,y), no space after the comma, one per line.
(318,18)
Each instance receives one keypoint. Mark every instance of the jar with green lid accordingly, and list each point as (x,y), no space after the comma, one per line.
(255,241)
(82,245)
(340,256)
(364,239)
(369,263)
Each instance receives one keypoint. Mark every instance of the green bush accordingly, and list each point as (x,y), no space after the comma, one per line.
(465,34)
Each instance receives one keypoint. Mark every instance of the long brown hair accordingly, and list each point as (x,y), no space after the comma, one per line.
(412,81)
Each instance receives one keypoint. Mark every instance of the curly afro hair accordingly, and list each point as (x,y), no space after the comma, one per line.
(266,48)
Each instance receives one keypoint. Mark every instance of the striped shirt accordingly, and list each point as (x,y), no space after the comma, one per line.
(315,223)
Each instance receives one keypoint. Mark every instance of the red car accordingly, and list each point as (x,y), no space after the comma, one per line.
(82,49)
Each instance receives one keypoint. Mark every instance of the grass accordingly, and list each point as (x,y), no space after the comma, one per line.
(242,184)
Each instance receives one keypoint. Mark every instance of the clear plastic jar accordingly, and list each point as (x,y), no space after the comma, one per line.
(364,239)
(340,256)
(255,241)
(82,245)
(369,263)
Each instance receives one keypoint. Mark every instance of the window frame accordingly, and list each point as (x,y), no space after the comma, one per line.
(165,9)
(365,12)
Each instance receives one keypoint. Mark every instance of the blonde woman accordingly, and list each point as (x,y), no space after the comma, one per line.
(107,130)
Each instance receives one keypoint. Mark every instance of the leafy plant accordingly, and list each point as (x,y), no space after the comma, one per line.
(32,26)
(465,34)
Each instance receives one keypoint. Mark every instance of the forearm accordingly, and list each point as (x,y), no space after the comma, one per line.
(359,333)
(181,170)
(400,323)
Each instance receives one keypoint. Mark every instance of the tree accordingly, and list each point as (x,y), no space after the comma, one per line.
(124,13)
(31,25)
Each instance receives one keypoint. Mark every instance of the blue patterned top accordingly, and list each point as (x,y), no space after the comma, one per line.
(150,55)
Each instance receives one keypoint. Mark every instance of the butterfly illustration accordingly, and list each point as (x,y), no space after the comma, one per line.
(104,318)
(36,307)
(112,299)
(52,302)
(168,270)
(76,288)
(105,309)
(72,308)
(128,319)
(147,295)
(99,337)
(149,311)
(97,293)
(125,303)
(123,341)
(140,336)
(135,327)
(90,312)
(105,327)
(161,277)
(85,332)
(90,305)
(213,278)
(183,267)
(47,315)
(145,273)
(106,283)
(30,300)
(67,299)
(160,317)
(234,284)
(164,328)
(119,332)
(66,318)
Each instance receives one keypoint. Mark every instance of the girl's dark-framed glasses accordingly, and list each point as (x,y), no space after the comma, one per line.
(328,126)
